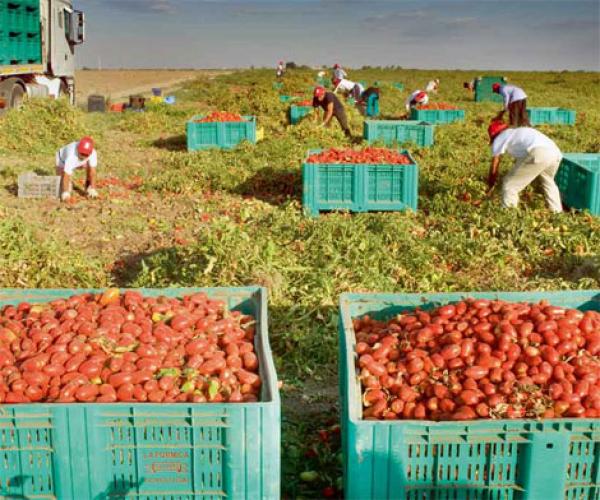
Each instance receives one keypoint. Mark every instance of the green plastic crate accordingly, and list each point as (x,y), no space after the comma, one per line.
(359,187)
(437,115)
(146,451)
(483,89)
(398,86)
(578,179)
(297,113)
(399,131)
(277,85)
(288,98)
(481,459)
(560,116)
(225,135)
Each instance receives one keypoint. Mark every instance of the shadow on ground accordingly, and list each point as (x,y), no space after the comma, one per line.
(174,143)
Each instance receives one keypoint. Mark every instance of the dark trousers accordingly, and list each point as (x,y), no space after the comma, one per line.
(342,119)
(517,112)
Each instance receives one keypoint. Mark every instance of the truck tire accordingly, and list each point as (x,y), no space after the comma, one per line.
(17,96)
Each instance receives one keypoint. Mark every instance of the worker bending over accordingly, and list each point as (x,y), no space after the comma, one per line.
(515,102)
(332,107)
(433,86)
(535,154)
(348,88)
(73,156)
(416,98)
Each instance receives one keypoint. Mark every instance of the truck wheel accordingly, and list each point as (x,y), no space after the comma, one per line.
(17,95)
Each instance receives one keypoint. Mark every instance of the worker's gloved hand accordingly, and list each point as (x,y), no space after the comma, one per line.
(91,192)
(65,196)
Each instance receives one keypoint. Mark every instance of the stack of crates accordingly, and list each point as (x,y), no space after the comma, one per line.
(20,39)
(483,88)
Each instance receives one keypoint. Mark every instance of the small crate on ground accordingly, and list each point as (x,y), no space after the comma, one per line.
(31,185)
(555,116)
(125,450)
(480,459)
(359,187)
(483,88)
(437,115)
(297,113)
(399,131)
(578,179)
(225,135)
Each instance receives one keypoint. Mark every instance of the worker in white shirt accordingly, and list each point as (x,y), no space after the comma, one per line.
(433,86)
(470,85)
(338,72)
(76,155)
(515,102)
(416,98)
(280,69)
(535,154)
(348,88)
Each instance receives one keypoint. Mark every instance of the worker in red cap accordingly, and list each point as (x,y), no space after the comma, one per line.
(515,102)
(280,69)
(535,154)
(338,72)
(76,155)
(332,107)
(416,98)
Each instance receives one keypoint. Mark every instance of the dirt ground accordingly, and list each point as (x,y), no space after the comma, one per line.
(118,84)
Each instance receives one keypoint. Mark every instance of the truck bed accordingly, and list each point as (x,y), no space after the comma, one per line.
(20,35)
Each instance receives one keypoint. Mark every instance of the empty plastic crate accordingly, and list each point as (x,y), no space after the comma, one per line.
(299,112)
(437,115)
(557,116)
(399,131)
(219,134)
(288,98)
(398,86)
(180,451)
(481,459)
(359,187)
(31,185)
(578,179)
(483,89)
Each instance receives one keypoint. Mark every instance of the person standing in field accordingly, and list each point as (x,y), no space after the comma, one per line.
(470,85)
(280,69)
(515,102)
(433,86)
(535,154)
(332,107)
(338,72)
(416,98)
(76,155)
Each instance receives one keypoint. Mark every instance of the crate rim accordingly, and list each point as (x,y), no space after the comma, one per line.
(248,118)
(353,392)
(399,150)
(407,122)
(268,375)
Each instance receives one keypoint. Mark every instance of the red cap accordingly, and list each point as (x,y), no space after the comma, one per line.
(336,81)
(496,87)
(421,96)
(85,146)
(496,126)
(280,62)
(319,92)
(336,66)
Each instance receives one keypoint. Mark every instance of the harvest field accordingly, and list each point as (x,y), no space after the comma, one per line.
(166,217)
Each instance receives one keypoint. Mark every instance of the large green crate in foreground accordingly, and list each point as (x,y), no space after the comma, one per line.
(225,135)
(483,89)
(359,187)
(555,116)
(437,115)
(144,451)
(553,459)
(578,179)
(398,131)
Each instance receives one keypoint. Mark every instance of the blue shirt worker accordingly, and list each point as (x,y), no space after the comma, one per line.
(515,102)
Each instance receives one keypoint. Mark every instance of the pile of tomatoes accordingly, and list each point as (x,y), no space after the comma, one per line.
(307,102)
(369,155)
(481,359)
(126,347)
(440,106)
(222,116)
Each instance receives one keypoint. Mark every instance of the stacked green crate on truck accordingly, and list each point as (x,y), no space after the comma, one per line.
(359,187)
(147,451)
(437,115)
(481,459)
(225,135)
(483,88)
(297,113)
(20,41)
(578,180)
(398,131)
(555,116)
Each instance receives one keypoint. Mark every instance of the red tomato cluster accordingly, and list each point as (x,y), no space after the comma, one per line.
(307,102)
(442,106)
(112,347)
(368,155)
(222,116)
(481,359)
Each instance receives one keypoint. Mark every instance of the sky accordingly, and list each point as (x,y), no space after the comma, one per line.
(448,34)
